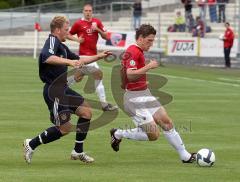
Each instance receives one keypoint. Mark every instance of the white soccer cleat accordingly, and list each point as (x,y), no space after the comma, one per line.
(81,156)
(27,151)
(110,107)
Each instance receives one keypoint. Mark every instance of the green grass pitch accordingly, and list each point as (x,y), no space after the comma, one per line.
(205,109)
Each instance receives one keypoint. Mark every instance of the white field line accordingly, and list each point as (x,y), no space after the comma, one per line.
(191,79)
(228,79)
(199,80)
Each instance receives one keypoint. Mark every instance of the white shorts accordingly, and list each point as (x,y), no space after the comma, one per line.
(141,106)
(89,68)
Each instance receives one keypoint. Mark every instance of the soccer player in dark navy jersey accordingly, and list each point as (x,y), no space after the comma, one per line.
(62,101)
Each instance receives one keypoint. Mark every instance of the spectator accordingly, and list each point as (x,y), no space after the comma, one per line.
(179,25)
(228,40)
(212,10)
(198,30)
(191,23)
(202,5)
(188,11)
(221,10)
(137,13)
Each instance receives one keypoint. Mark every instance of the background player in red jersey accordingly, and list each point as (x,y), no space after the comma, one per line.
(87,30)
(144,109)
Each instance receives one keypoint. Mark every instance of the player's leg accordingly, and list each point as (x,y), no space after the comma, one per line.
(97,74)
(164,121)
(85,115)
(145,132)
(60,116)
(76,76)
(135,104)
(83,110)
(49,135)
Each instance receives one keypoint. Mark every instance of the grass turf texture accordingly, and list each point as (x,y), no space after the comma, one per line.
(205,109)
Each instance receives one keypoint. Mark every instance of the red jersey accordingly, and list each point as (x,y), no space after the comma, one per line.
(229,38)
(211,2)
(83,28)
(134,59)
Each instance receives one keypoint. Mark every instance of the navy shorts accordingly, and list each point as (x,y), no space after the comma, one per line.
(69,101)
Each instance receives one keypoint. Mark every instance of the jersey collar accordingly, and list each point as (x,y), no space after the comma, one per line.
(83,19)
(138,46)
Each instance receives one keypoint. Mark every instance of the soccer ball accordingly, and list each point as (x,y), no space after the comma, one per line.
(221,36)
(205,158)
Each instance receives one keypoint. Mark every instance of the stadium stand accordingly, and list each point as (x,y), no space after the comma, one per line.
(24,41)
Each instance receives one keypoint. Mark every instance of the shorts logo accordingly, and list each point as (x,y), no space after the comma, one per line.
(63,117)
(132,63)
(50,51)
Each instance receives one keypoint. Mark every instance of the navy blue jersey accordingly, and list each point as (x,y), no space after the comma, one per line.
(53,46)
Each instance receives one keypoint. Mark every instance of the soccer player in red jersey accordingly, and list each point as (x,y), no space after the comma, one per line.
(87,30)
(144,109)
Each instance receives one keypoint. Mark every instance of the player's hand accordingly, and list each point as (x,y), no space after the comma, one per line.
(153,64)
(81,39)
(77,63)
(104,54)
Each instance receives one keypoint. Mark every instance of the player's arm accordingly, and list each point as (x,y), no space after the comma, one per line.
(90,59)
(75,39)
(101,30)
(103,34)
(134,74)
(73,31)
(55,60)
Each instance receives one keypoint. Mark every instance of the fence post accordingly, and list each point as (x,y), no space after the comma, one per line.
(36,35)
(238,17)
(111,14)
(159,27)
(11,21)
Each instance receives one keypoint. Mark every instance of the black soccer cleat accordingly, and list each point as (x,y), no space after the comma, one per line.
(191,159)
(114,141)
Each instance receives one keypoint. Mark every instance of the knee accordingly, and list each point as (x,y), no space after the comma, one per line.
(98,75)
(153,136)
(166,123)
(84,111)
(65,128)
(87,113)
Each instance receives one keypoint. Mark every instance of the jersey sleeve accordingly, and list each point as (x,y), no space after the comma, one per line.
(131,61)
(50,48)
(100,26)
(74,29)
(71,55)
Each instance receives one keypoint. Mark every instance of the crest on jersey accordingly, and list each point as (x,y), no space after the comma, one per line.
(132,63)
(50,51)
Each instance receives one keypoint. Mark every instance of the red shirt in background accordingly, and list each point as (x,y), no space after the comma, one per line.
(211,2)
(229,38)
(134,59)
(83,28)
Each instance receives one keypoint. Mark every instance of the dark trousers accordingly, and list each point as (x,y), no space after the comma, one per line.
(221,13)
(227,52)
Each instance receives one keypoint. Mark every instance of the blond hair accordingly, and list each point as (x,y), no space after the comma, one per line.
(58,22)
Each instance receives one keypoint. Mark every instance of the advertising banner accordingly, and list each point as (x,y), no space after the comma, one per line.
(182,47)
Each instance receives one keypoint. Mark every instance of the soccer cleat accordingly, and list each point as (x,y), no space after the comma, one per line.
(81,156)
(27,151)
(191,159)
(109,107)
(114,141)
